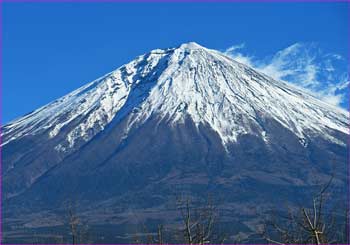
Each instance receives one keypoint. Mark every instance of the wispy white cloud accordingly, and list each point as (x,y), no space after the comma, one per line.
(305,65)
(234,53)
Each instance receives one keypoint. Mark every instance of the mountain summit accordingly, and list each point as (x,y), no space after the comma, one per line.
(189,119)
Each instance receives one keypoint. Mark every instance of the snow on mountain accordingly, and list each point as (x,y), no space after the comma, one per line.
(185,120)
(189,80)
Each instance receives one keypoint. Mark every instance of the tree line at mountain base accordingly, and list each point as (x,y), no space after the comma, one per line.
(315,224)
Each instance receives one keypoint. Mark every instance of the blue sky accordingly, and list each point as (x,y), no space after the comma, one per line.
(50,49)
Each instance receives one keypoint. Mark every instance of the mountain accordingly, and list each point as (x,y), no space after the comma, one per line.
(179,121)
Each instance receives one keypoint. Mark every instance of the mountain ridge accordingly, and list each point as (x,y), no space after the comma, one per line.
(120,86)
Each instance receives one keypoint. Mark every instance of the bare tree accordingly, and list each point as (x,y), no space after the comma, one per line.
(315,225)
(78,231)
(160,234)
(73,222)
(151,237)
(198,226)
(198,222)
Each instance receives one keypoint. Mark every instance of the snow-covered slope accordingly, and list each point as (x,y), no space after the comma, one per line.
(188,80)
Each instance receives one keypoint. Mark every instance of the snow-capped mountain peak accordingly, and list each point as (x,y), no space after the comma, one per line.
(173,84)
(190,46)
